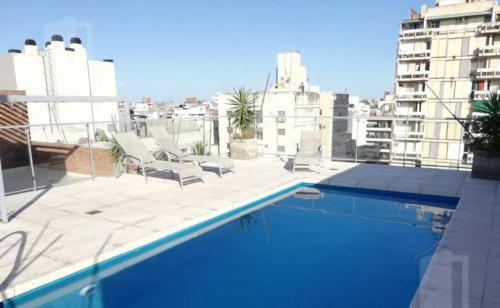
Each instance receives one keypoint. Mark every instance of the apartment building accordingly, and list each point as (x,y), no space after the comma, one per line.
(289,107)
(450,51)
(60,70)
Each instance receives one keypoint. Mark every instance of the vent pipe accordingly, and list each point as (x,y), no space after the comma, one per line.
(75,43)
(30,47)
(57,41)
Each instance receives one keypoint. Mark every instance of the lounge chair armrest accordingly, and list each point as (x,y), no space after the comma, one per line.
(141,161)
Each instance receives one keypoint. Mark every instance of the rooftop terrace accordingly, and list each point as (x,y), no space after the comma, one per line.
(54,234)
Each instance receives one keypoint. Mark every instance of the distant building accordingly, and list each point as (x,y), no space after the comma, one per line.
(191,101)
(60,70)
(291,106)
(343,146)
(450,51)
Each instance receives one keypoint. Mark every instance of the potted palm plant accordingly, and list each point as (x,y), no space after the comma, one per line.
(243,144)
(486,142)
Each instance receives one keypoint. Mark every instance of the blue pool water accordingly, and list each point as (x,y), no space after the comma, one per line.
(317,248)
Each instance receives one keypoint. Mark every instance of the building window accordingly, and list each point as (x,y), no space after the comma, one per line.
(461,20)
(281,117)
(281,148)
(434,24)
(258,116)
(260,135)
(281,132)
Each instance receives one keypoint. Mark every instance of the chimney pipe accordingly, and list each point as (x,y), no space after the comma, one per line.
(30,47)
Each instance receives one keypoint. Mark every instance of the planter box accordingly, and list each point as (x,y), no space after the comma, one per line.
(243,149)
(486,166)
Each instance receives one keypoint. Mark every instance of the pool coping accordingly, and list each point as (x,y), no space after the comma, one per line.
(180,233)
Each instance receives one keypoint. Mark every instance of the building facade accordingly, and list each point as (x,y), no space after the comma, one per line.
(450,51)
(60,70)
(289,107)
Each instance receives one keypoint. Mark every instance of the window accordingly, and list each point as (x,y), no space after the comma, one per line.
(433,150)
(464,70)
(260,135)
(434,24)
(461,20)
(281,117)
(281,148)
(258,116)
(281,132)
(465,46)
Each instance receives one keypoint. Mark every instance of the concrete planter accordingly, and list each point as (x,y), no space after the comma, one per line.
(243,149)
(486,165)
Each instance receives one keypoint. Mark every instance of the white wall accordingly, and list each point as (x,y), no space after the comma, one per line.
(58,72)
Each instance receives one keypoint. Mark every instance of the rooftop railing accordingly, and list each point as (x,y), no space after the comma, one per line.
(39,157)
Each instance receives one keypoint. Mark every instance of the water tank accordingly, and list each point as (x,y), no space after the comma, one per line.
(29,42)
(75,40)
(57,38)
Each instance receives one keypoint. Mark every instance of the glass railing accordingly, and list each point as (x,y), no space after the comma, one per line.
(43,155)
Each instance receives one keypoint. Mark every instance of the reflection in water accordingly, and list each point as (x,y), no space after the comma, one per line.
(319,236)
(425,215)
(246,221)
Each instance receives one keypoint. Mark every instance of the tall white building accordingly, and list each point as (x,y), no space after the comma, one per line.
(451,51)
(60,70)
(291,106)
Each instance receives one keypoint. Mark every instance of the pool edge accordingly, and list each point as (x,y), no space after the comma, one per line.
(210,220)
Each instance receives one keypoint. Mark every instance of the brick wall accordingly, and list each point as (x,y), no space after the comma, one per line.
(73,158)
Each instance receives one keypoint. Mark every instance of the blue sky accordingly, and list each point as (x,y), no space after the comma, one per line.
(173,49)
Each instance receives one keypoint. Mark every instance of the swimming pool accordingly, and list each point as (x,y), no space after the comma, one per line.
(318,247)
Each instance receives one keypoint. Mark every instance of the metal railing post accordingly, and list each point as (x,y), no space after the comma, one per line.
(91,158)
(30,155)
(406,137)
(357,139)
(204,140)
(3,202)
(460,147)
(93,119)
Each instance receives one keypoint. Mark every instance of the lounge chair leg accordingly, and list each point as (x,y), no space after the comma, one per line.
(180,182)
(293,166)
(220,172)
(143,170)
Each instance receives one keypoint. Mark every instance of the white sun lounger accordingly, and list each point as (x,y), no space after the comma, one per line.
(136,151)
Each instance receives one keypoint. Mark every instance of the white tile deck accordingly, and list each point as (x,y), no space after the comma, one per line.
(54,236)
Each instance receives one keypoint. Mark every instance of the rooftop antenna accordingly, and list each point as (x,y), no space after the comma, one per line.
(261,104)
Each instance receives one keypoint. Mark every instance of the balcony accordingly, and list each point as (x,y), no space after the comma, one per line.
(416,34)
(413,76)
(404,113)
(488,51)
(411,136)
(416,55)
(411,97)
(486,73)
(489,28)
(409,155)
(481,95)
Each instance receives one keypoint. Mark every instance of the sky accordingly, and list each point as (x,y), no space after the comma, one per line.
(173,49)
